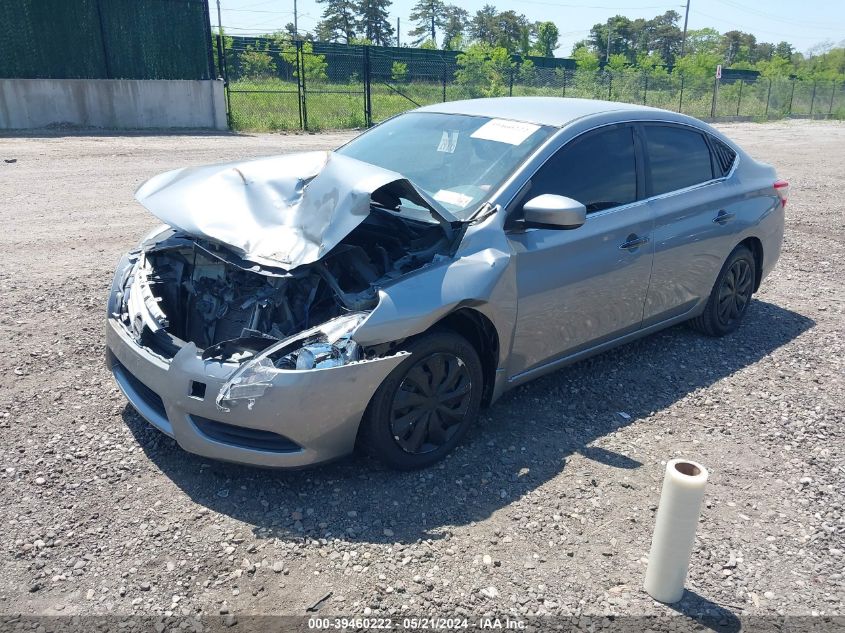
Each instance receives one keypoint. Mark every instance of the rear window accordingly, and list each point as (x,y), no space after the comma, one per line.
(678,158)
(723,156)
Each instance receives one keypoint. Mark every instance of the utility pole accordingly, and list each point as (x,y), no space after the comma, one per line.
(295,22)
(684,38)
(607,52)
(398,32)
(221,54)
(433,34)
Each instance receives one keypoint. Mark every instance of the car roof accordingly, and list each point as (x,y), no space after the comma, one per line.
(553,111)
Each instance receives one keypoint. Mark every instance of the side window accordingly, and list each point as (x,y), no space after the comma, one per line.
(723,157)
(599,170)
(677,158)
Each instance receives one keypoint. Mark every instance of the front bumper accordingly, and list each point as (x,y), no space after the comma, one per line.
(305,417)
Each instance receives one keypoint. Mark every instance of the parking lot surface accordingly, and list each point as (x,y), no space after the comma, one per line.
(547,508)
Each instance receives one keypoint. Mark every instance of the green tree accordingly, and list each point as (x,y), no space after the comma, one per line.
(374,21)
(484,27)
(617,31)
(697,64)
(511,31)
(664,36)
(617,62)
(631,38)
(484,70)
(585,59)
(705,40)
(775,67)
(827,65)
(339,22)
(547,39)
(315,66)
(399,71)
(652,64)
(256,63)
(527,38)
(738,47)
(428,16)
(764,51)
(456,22)
(527,73)
(785,50)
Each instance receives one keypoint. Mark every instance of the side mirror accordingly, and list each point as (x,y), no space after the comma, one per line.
(555,211)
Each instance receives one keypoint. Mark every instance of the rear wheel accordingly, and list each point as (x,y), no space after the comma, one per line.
(425,406)
(730,296)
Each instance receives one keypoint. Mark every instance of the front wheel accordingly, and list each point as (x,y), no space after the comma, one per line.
(425,406)
(730,296)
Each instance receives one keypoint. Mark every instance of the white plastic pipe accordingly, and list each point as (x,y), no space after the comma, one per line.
(674,529)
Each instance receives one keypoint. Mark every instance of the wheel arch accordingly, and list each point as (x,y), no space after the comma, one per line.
(756,247)
(479,330)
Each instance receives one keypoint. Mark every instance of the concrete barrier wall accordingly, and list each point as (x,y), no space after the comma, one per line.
(112,103)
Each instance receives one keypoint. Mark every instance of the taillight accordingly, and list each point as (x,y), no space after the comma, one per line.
(782,189)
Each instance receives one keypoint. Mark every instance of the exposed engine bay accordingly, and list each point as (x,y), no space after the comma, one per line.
(184,289)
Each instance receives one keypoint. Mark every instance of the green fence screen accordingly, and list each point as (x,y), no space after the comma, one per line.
(105,39)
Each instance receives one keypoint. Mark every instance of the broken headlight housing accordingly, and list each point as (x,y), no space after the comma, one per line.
(330,346)
(327,345)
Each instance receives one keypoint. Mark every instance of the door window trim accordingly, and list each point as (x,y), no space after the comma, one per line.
(704,183)
(639,166)
(517,198)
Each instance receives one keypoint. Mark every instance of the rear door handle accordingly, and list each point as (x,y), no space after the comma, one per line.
(723,217)
(633,242)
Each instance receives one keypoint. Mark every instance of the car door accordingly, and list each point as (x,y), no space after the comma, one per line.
(695,219)
(580,287)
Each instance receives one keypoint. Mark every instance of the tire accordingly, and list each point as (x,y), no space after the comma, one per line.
(731,295)
(411,422)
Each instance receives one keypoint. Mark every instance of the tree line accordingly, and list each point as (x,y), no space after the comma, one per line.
(619,43)
(659,43)
(655,45)
(435,24)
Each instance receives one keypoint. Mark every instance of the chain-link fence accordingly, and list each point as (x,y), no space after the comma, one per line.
(277,84)
(105,39)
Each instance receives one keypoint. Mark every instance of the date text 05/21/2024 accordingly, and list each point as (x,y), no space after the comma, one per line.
(444,624)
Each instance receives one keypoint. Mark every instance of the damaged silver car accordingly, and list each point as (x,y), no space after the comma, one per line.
(294,307)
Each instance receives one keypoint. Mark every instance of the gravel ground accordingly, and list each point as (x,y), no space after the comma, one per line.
(547,508)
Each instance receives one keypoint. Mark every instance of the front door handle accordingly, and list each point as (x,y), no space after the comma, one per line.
(633,242)
(723,217)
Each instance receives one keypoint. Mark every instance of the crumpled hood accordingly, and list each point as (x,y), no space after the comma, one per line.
(281,211)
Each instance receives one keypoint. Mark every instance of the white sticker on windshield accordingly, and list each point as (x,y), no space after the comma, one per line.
(504,131)
(452,197)
(448,142)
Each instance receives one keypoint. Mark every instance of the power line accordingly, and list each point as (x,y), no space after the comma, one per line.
(723,21)
(585,6)
(260,4)
(254,11)
(774,18)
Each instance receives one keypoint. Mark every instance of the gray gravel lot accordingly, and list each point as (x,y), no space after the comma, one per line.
(547,508)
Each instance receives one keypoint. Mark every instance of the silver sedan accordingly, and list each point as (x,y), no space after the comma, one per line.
(293,308)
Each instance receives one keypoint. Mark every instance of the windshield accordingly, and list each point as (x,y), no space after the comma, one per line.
(456,159)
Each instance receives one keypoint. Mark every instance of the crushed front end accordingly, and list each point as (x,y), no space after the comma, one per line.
(253,363)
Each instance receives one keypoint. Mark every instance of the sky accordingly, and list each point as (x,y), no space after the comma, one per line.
(804,24)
